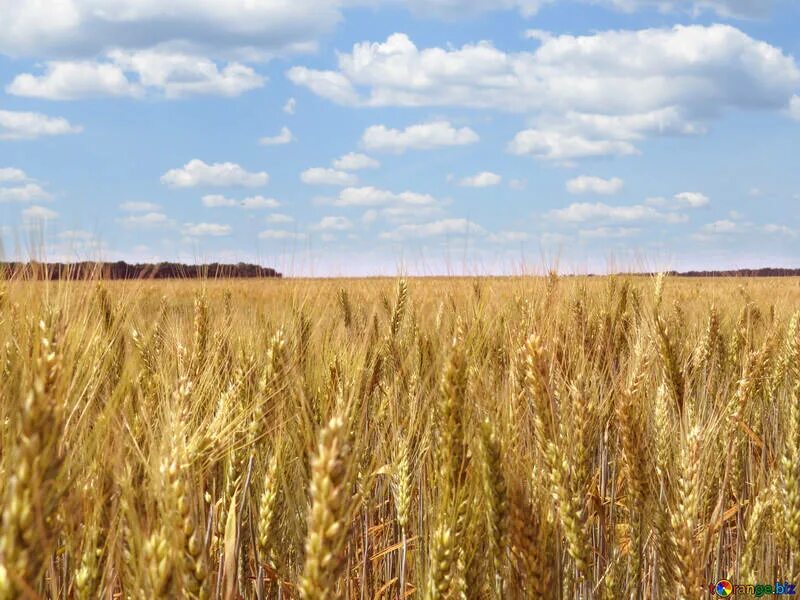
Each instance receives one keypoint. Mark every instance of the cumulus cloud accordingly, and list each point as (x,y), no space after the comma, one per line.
(633,72)
(258,202)
(722,226)
(372,196)
(19,125)
(12,174)
(587,184)
(679,200)
(29,192)
(132,74)
(692,199)
(422,136)
(723,8)
(278,218)
(794,107)
(281,234)
(206,229)
(508,237)
(355,161)
(650,82)
(454,226)
(139,206)
(481,180)
(198,173)
(290,106)
(773,228)
(284,137)
(323,176)
(90,27)
(332,223)
(218,200)
(38,213)
(76,235)
(608,232)
(147,220)
(251,202)
(581,212)
(528,8)
(561,147)
(257,30)
(73,80)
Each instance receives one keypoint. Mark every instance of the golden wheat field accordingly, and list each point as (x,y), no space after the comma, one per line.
(539,437)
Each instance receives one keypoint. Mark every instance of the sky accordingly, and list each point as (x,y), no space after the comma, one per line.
(373,137)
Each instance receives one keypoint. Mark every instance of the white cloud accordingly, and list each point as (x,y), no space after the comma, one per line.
(354,161)
(29,192)
(403,213)
(206,229)
(635,72)
(38,213)
(290,106)
(275,218)
(252,202)
(178,75)
(422,136)
(586,184)
(508,237)
(218,200)
(12,174)
(560,147)
(370,216)
(591,95)
(692,199)
(174,74)
(323,176)
(722,226)
(148,220)
(550,238)
(794,107)
(333,224)
(680,200)
(608,232)
(528,8)
(481,180)
(772,228)
(723,8)
(73,80)
(139,206)
(449,9)
(284,137)
(328,84)
(584,211)
(16,125)
(198,173)
(258,202)
(280,234)
(76,235)
(371,196)
(455,226)
(244,27)
(518,184)
(91,27)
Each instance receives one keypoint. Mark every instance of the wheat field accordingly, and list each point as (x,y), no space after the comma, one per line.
(534,437)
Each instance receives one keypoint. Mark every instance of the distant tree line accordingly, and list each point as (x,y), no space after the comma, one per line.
(123,270)
(765,272)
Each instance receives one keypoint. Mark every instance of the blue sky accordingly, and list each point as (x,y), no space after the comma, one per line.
(375,136)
